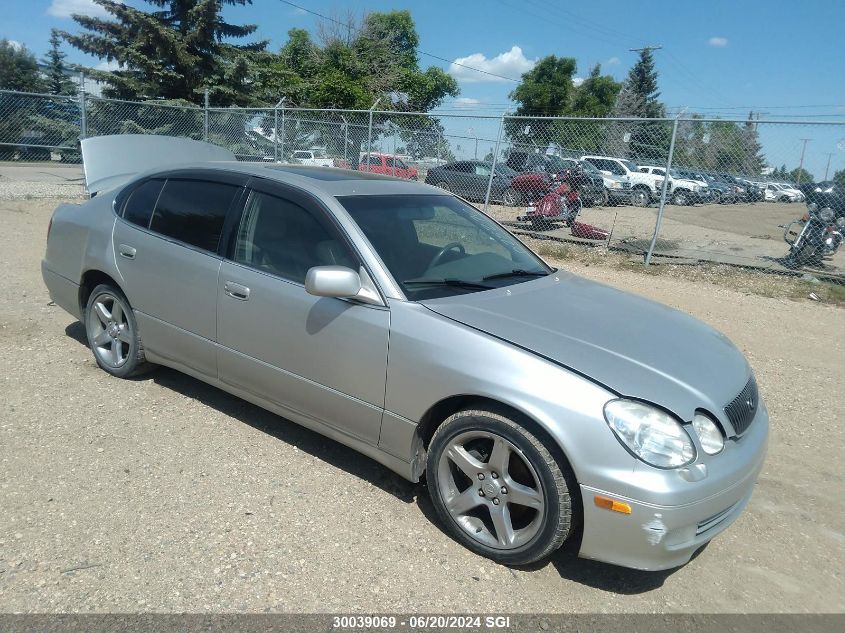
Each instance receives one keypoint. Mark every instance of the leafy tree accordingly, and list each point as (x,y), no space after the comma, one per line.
(19,69)
(171,52)
(59,82)
(799,175)
(839,177)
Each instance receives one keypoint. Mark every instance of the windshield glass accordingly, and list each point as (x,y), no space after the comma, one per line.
(504,170)
(589,167)
(438,246)
(631,166)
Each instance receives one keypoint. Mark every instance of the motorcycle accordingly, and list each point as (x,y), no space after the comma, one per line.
(821,229)
(561,203)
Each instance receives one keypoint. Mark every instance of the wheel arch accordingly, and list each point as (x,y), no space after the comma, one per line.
(91,279)
(440,412)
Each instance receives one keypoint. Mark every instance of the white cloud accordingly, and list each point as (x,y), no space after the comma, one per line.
(66,8)
(15,44)
(718,41)
(577,81)
(512,64)
(467,102)
(613,61)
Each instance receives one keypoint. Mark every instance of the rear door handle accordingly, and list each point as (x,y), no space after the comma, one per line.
(126,251)
(236,290)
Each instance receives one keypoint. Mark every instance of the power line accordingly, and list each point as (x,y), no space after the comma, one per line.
(443,59)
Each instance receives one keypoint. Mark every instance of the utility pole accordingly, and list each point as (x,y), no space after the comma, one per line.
(827,169)
(801,164)
(646,48)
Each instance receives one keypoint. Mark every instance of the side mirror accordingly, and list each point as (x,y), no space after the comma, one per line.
(332,281)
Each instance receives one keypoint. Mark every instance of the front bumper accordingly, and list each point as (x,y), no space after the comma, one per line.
(619,196)
(665,531)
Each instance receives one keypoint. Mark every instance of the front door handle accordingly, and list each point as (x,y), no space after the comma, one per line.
(236,290)
(126,251)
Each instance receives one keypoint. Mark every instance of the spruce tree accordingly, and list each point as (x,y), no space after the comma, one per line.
(172,52)
(59,82)
(642,82)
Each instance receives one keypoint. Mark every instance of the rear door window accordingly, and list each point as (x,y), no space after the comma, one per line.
(193,211)
(141,203)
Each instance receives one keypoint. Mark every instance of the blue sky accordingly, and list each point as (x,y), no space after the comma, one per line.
(720,57)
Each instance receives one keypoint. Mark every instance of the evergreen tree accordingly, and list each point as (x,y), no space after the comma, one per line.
(642,83)
(19,69)
(59,82)
(172,52)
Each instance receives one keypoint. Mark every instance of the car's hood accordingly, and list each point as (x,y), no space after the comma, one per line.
(633,346)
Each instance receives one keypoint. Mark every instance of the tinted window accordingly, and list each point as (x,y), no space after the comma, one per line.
(285,239)
(139,208)
(192,211)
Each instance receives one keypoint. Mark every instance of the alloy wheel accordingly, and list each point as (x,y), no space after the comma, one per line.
(110,331)
(491,490)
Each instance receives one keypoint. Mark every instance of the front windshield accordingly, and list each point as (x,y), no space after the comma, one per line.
(504,170)
(631,166)
(439,246)
(589,167)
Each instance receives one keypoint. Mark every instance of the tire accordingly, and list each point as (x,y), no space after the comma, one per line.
(113,338)
(640,197)
(717,197)
(680,198)
(511,197)
(444,186)
(783,199)
(499,457)
(604,198)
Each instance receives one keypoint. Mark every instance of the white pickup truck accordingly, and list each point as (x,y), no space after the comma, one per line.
(310,157)
(682,191)
(645,188)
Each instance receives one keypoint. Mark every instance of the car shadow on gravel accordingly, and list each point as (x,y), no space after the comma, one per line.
(310,442)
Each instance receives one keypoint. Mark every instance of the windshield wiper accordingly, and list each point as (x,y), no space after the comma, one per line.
(515,273)
(459,283)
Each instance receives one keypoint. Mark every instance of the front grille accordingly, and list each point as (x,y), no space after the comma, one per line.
(742,409)
(626,185)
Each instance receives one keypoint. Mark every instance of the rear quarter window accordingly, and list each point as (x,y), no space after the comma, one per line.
(193,211)
(141,203)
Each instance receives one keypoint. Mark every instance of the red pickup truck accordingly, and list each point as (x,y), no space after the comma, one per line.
(387,165)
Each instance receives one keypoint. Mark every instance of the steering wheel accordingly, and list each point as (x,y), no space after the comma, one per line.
(446,249)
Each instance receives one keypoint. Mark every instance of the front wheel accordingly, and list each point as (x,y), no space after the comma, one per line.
(511,197)
(497,488)
(680,198)
(113,332)
(639,198)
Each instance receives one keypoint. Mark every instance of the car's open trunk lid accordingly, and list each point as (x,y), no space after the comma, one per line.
(110,161)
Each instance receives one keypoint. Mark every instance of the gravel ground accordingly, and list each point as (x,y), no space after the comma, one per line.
(164,494)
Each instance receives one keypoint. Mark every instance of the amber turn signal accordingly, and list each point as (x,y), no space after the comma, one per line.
(612,504)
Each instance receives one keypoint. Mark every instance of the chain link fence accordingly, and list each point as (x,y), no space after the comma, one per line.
(684,190)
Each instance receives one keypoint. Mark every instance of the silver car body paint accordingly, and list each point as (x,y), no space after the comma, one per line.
(555,349)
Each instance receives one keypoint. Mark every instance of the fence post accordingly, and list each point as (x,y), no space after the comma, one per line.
(83,114)
(282,144)
(205,117)
(493,166)
(663,192)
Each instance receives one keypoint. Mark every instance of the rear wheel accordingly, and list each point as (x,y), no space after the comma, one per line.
(113,332)
(680,198)
(497,488)
(717,197)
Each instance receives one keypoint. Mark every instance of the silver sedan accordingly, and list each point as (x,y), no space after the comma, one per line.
(408,325)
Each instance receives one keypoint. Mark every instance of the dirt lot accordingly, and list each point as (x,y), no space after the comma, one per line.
(163,494)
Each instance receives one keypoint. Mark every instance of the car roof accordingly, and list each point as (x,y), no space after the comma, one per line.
(328,180)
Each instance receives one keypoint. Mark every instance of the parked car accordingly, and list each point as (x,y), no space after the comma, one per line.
(721,192)
(539,405)
(469,178)
(313,158)
(681,191)
(737,188)
(592,188)
(387,165)
(645,188)
(794,192)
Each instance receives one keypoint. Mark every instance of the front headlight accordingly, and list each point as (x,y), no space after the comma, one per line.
(649,433)
(709,434)
(826,214)
(840,223)
(812,207)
